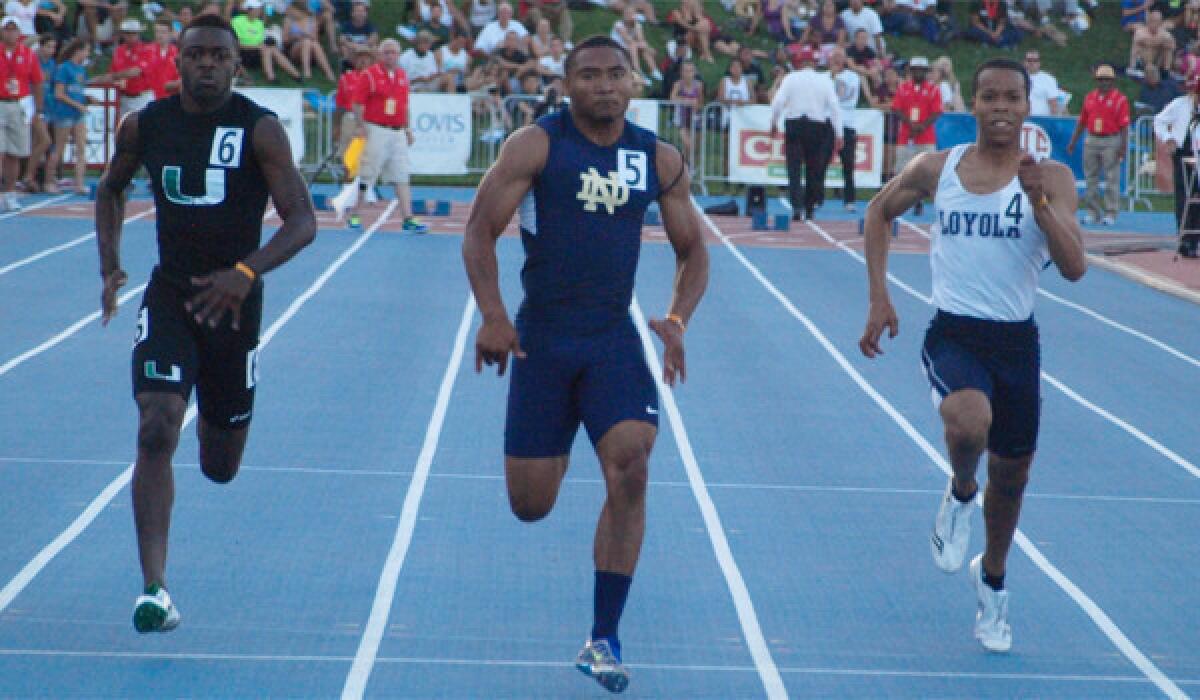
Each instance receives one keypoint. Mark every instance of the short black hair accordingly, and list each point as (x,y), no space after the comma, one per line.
(1001,64)
(596,41)
(208,21)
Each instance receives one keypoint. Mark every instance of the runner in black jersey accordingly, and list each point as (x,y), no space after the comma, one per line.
(213,157)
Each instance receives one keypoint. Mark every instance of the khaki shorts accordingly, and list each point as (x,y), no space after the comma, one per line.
(385,157)
(14,130)
(349,124)
(904,154)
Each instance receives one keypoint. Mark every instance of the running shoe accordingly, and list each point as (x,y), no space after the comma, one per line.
(354,221)
(991,620)
(153,611)
(951,531)
(414,225)
(601,659)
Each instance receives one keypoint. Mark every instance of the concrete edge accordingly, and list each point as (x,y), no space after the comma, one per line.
(1150,279)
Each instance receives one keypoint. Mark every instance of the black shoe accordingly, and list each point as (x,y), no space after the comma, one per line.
(918,209)
(808,214)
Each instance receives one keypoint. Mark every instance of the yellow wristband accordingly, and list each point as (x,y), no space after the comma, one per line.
(246,270)
(677,320)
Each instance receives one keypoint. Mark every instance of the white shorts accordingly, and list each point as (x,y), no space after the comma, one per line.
(385,157)
(14,130)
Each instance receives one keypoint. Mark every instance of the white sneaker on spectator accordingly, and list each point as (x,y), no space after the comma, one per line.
(657,75)
(12,202)
(991,619)
(951,531)
(1108,220)
(371,197)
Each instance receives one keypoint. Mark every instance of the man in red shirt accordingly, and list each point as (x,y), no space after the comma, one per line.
(917,104)
(164,76)
(132,68)
(20,79)
(381,108)
(1105,115)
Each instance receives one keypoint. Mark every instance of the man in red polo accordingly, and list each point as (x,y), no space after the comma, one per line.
(381,107)
(132,68)
(20,79)
(1105,115)
(918,104)
(164,74)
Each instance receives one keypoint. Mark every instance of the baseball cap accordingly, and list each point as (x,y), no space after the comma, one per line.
(425,34)
(132,24)
(918,62)
(9,19)
(1105,71)
(803,54)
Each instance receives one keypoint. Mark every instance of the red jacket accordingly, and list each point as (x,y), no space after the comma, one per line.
(384,97)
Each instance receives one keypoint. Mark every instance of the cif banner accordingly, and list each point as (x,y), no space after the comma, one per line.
(757,160)
(1043,137)
(441,125)
(288,105)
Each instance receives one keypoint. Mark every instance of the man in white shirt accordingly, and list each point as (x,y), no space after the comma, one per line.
(420,64)
(807,102)
(849,87)
(856,16)
(491,37)
(1176,126)
(1045,97)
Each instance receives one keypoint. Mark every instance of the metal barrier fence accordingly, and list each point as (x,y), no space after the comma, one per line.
(1141,163)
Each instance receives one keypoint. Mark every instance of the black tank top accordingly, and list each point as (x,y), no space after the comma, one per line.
(209,190)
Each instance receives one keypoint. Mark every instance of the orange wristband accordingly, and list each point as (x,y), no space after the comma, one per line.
(677,320)
(246,270)
(1043,202)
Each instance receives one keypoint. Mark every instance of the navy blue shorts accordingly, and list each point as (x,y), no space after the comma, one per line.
(172,353)
(599,380)
(1000,358)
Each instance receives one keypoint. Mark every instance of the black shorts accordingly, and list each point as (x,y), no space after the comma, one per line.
(1000,358)
(172,353)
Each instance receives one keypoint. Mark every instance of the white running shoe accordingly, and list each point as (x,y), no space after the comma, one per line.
(991,620)
(153,611)
(951,531)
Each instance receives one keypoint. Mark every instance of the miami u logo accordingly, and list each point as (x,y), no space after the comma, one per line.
(611,191)
(226,153)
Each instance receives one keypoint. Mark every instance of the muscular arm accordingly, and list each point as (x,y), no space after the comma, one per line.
(1057,220)
(521,159)
(289,195)
(110,212)
(683,231)
(917,180)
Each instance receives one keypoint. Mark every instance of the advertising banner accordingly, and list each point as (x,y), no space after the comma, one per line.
(755,159)
(441,127)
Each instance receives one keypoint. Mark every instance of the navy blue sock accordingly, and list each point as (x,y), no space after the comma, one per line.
(996,583)
(609,602)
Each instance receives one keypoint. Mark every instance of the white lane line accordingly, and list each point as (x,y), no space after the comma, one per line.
(759,651)
(28,572)
(1170,350)
(1098,616)
(353,471)
(66,333)
(533,663)
(385,593)
(64,246)
(38,205)
(1050,379)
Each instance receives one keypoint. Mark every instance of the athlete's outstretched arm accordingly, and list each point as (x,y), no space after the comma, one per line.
(508,180)
(1051,187)
(917,180)
(225,289)
(691,258)
(110,213)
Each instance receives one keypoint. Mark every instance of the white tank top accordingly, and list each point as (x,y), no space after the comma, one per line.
(986,250)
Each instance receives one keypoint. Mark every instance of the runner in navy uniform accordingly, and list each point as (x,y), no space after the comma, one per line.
(213,158)
(1001,218)
(583,178)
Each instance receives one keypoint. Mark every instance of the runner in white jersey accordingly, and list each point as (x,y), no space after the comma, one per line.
(1001,218)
